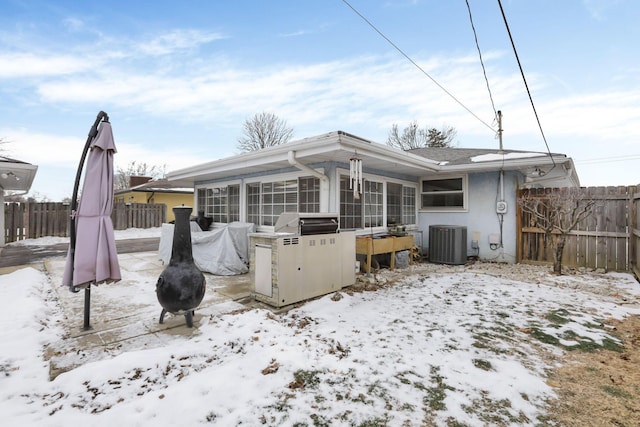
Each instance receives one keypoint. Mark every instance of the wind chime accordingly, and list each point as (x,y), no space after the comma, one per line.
(356,181)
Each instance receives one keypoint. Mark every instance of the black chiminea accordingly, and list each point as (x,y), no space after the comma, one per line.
(181,285)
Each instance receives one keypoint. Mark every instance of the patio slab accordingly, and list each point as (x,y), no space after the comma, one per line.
(124,316)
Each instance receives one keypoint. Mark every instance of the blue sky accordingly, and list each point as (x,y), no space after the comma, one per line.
(178,79)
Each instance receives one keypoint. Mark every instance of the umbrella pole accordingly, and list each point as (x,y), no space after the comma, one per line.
(74,206)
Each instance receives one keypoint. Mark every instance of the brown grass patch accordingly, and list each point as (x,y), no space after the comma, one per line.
(600,388)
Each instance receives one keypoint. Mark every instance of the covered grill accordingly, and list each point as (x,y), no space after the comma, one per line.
(306,256)
(305,224)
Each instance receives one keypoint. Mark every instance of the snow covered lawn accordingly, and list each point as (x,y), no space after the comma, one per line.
(440,346)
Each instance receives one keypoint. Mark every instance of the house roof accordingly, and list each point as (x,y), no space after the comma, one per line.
(159,186)
(16,175)
(469,156)
(340,146)
(540,169)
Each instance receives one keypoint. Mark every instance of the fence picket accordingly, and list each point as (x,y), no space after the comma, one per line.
(34,220)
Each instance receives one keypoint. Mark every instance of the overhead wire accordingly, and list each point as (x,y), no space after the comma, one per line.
(608,159)
(484,71)
(535,112)
(417,66)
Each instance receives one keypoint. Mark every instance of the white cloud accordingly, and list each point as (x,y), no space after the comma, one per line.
(598,8)
(21,65)
(177,40)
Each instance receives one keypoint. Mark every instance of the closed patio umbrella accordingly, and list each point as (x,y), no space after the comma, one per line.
(92,256)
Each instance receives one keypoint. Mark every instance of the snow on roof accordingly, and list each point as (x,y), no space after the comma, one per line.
(504,156)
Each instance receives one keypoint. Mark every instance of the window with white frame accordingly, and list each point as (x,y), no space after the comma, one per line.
(222,204)
(309,194)
(278,197)
(267,200)
(394,203)
(350,207)
(373,204)
(408,205)
(233,203)
(368,210)
(253,203)
(443,193)
(401,204)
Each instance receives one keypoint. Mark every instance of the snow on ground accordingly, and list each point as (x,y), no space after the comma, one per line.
(441,346)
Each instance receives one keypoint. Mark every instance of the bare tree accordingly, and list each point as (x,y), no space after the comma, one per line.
(415,137)
(123,176)
(264,130)
(556,213)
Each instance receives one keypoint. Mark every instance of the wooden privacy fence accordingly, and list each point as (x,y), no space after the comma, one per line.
(34,220)
(608,238)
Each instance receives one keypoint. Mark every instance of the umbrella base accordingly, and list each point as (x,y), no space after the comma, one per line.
(188,315)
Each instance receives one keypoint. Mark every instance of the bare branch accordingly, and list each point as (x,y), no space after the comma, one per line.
(123,176)
(414,137)
(557,213)
(264,130)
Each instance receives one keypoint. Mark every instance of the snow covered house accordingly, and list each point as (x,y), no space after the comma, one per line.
(470,188)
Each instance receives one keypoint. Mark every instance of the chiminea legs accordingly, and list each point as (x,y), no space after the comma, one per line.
(188,316)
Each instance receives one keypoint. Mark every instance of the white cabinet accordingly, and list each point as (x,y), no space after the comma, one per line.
(292,268)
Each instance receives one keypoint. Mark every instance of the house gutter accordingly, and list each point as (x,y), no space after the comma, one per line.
(324,180)
(291,157)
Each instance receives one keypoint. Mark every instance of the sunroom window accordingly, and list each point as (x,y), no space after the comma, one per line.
(368,210)
(267,200)
(401,204)
(220,203)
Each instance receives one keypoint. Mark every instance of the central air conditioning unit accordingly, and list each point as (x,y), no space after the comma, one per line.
(448,244)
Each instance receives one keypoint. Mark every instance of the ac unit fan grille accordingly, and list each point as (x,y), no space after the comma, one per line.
(447,244)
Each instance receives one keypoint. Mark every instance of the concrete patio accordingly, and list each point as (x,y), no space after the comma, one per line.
(124,315)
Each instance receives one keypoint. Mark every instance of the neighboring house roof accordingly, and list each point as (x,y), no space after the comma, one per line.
(340,146)
(16,175)
(159,186)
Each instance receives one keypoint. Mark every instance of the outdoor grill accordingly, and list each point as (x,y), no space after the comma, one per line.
(306,256)
(306,224)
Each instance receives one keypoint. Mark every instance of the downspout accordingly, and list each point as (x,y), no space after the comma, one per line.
(324,180)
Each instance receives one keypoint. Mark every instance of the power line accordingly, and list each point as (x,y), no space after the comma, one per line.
(513,45)
(417,66)
(608,159)
(484,71)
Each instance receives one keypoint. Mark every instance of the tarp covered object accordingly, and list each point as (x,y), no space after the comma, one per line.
(223,251)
